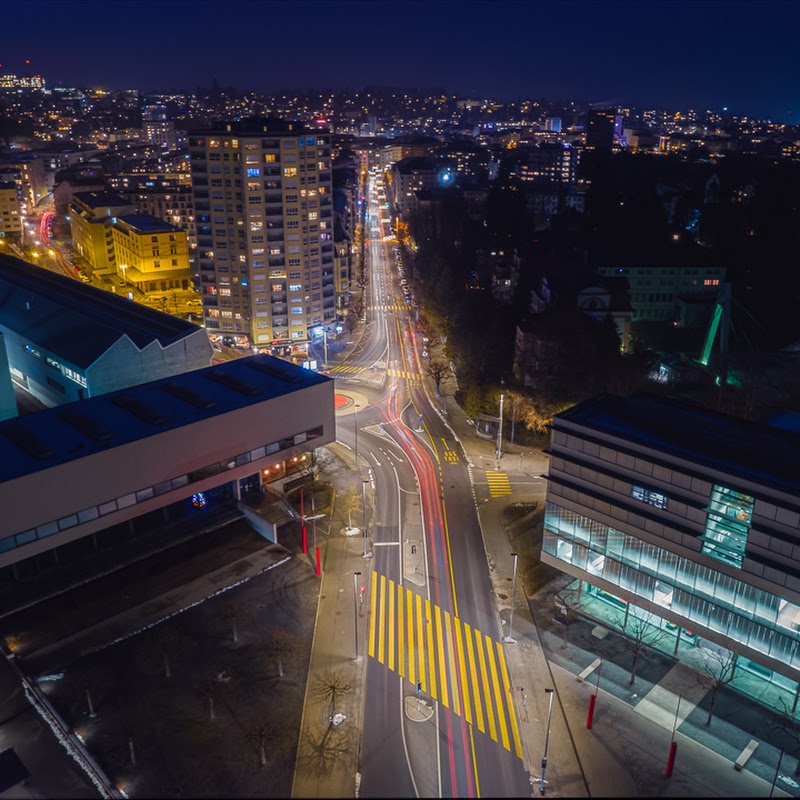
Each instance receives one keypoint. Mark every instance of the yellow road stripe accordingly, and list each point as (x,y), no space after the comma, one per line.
(390,660)
(401,629)
(372,605)
(437,613)
(421,647)
(485,678)
(512,714)
(476,694)
(412,653)
(381,624)
(474,763)
(431,653)
(451,657)
(498,694)
(462,671)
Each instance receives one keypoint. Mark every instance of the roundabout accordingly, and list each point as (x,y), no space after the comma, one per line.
(345,402)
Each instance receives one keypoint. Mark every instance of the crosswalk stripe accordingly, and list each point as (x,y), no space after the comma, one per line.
(499,483)
(390,659)
(486,696)
(421,647)
(431,659)
(462,670)
(437,615)
(474,675)
(498,695)
(454,663)
(381,638)
(501,659)
(401,661)
(451,660)
(412,673)
(372,604)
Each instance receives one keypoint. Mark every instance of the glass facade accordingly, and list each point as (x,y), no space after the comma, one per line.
(700,595)
(727,525)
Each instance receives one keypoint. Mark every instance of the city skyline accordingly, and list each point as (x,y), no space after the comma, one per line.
(702,55)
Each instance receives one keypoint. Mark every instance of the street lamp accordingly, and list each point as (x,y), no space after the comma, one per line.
(500,430)
(364,504)
(510,637)
(356,576)
(546,738)
(357,407)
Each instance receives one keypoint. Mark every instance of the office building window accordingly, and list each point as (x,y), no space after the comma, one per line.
(648,496)
(727,525)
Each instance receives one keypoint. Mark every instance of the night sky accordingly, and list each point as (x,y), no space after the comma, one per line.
(672,53)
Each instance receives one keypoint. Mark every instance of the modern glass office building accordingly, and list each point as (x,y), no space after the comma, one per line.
(687,514)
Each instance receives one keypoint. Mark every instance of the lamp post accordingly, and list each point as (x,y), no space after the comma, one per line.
(356,412)
(356,576)
(325,346)
(546,739)
(510,637)
(364,528)
(500,430)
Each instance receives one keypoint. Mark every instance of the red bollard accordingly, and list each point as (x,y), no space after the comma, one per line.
(317,559)
(671,760)
(305,540)
(590,717)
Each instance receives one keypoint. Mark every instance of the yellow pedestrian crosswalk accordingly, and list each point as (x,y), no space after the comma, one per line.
(401,373)
(346,368)
(498,483)
(456,664)
(391,307)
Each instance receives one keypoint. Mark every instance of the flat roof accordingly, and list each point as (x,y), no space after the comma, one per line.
(147,223)
(754,451)
(101,199)
(75,430)
(74,320)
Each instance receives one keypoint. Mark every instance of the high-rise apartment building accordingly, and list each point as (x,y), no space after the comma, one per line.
(264,217)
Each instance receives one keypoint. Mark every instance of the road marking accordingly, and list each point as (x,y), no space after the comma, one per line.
(498,483)
(498,693)
(453,662)
(431,654)
(501,659)
(381,620)
(485,677)
(401,661)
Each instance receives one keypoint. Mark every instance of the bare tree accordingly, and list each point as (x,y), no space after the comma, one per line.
(331,686)
(350,502)
(789,724)
(437,370)
(322,747)
(281,645)
(234,611)
(262,731)
(167,642)
(565,608)
(643,632)
(350,321)
(720,665)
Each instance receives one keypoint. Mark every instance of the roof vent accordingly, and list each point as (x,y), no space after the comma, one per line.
(139,409)
(232,382)
(27,441)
